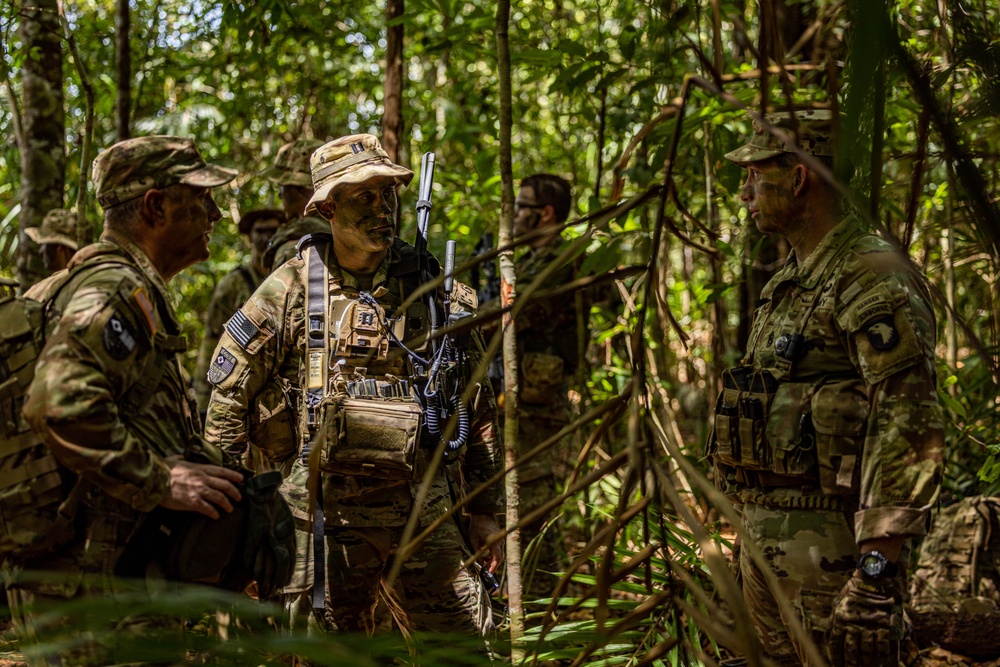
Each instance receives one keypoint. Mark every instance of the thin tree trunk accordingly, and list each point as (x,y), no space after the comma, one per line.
(392,119)
(507,293)
(83,228)
(43,160)
(123,104)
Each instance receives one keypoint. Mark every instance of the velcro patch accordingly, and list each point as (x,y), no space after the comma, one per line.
(118,339)
(242,329)
(882,333)
(146,306)
(221,368)
(877,304)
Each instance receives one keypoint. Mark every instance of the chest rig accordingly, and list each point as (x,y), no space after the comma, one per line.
(778,418)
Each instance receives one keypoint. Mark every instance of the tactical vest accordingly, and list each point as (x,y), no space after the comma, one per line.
(802,419)
(366,364)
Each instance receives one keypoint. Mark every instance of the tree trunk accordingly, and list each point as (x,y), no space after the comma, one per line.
(43,160)
(123,104)
(507,292)
(392,119)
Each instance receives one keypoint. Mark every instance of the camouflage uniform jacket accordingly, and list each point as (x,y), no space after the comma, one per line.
(267,371)
(856,415)
(231,293)
(281,247)
(547,341)
(109,398)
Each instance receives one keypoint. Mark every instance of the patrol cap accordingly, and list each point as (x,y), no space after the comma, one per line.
(814,135)
(132,167)
(58,226)
(247,221)
(291,164)
(352,159)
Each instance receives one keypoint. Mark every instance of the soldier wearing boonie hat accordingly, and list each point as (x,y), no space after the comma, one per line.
(56,237)
(109,397)
(290,172)
(268,354)
(828,435)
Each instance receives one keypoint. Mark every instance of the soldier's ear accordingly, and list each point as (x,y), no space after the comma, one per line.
(800,174)
(153,206)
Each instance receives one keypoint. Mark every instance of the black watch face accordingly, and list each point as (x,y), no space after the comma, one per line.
(872,565)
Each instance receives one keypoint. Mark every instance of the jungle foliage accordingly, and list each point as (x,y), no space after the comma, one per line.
(635,102)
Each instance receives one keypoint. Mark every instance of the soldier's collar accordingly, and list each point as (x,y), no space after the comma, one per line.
(144,264)
(811,270)
(344,278)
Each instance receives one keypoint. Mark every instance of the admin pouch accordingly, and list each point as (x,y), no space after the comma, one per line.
(370,437)
(254,542)
(955,588)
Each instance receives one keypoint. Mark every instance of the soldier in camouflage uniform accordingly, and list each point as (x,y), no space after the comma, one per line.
(262,360)
(56,238)
(828,435)
(233,290)
(290,172)
(108,395)
(548,349)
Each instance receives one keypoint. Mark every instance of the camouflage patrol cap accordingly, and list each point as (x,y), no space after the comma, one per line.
(813,129)
(58,226)
(352,159)
(291,164)
(132,167)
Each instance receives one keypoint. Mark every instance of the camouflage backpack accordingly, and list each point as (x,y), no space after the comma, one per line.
(955,589)
(38,497)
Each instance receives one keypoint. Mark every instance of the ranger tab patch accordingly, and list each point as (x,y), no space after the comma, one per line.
(882,333)
(223,365)
(118,339)
(242,329)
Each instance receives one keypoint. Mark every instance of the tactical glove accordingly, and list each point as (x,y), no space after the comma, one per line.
(867,623)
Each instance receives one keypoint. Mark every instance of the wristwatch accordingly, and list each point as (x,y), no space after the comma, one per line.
(874,565)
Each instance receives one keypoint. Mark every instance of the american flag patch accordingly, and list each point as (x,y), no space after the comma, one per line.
(242,329)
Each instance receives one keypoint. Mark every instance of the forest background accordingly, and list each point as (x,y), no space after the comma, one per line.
(635,102)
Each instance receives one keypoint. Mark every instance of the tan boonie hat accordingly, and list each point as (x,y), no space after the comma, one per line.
(352,159)
(58,226)
(814,135)
(247,221)
(291,164)
(132,167)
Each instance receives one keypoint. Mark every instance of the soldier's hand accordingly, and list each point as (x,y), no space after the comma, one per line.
(481,527)
(867,623)
(199,487)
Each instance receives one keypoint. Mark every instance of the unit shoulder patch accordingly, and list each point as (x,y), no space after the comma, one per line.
(118,338)
(882,333)
(221,367)
(146,306)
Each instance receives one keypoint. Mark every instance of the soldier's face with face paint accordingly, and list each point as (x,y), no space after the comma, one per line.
(363,215)
(191,213)
(769,195)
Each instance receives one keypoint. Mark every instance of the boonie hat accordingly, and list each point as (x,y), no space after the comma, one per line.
(352,159)
(132,167)
(247,221)
(58,226)
(291,164)
(812,130)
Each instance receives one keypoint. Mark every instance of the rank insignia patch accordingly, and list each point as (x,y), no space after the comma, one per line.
(118,340)
(242,329)
(882,333)
(223,365)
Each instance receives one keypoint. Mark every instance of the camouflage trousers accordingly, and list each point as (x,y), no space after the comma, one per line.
(433,591)
(63,622)
(813,554)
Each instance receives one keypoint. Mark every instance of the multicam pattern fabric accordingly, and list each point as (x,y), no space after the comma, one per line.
(281,247)
(231,293)
(58,226)
(854,424)
(131,167)
(811,131)
(291,164)
(261,402)
(353,159)
(81,403)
